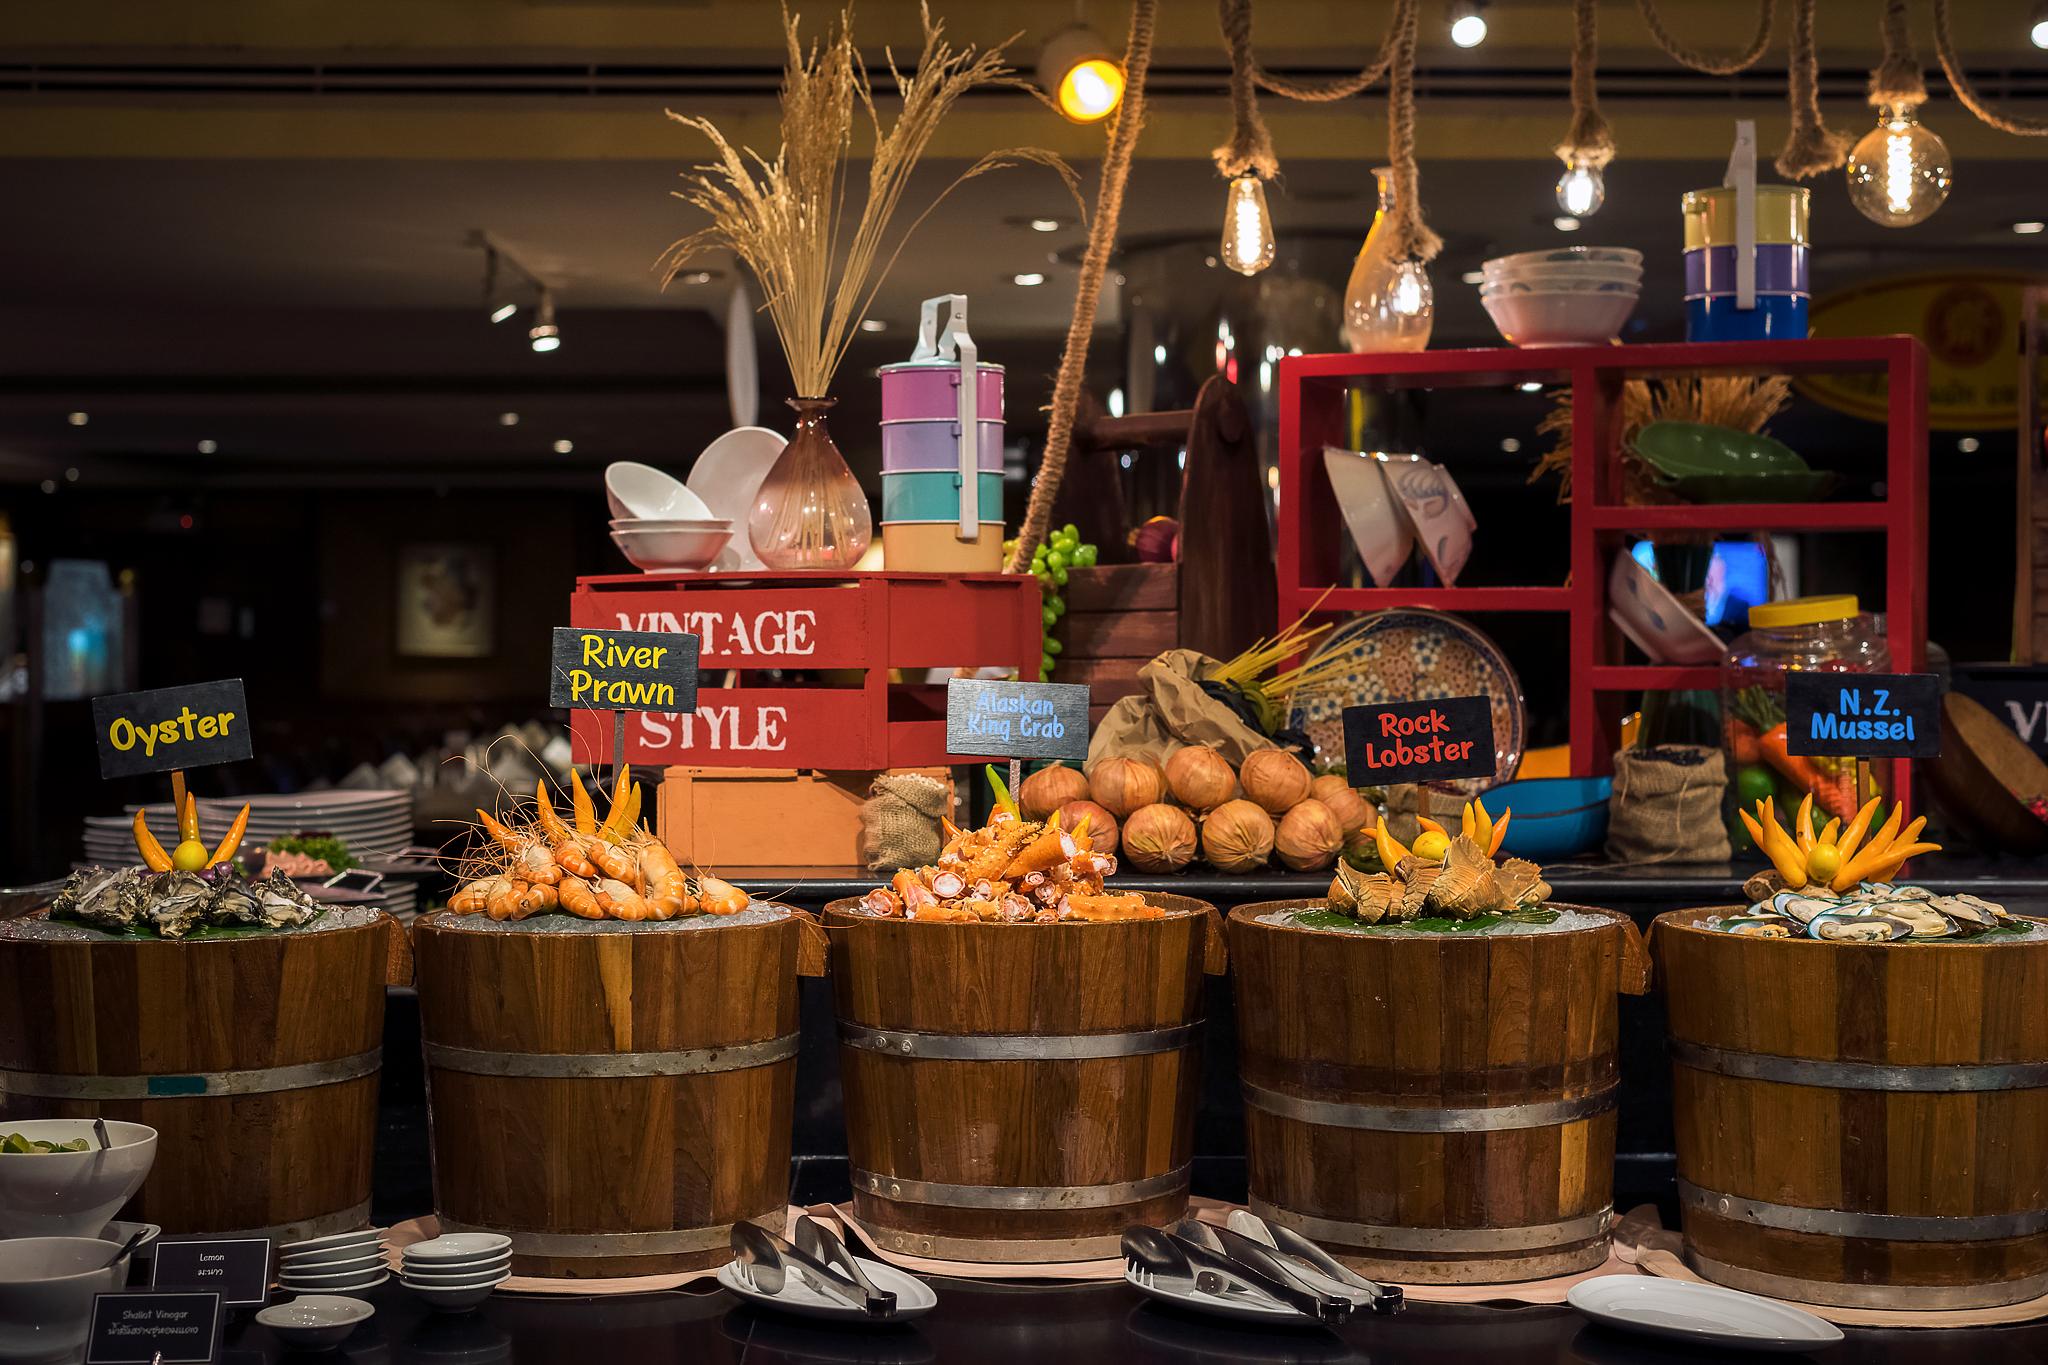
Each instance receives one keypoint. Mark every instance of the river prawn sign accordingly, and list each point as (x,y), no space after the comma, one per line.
(988,718)
(1419,741)
(620,670)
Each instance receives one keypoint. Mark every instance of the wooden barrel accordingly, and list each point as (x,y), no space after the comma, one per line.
(1860,1125)
(1434,1109)
(613,1097)
(1020,1092)
(255,1058)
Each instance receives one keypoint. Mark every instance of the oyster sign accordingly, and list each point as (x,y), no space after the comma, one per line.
(171,728)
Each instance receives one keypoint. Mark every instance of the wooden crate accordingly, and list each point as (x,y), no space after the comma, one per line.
(768,817)
(1119,618)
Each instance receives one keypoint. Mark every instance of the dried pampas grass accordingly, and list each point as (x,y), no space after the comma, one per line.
(1744,403)
(787,218)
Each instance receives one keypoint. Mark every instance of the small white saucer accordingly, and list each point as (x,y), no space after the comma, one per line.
(914,1298)
(315,1321)
(1246,1306)
(1699,1312)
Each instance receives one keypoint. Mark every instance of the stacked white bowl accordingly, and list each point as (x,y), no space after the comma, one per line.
(457,1271)
(341,1264)
(658,523)
(1565,296)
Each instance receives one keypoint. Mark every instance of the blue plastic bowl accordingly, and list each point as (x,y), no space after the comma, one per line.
(1555,817)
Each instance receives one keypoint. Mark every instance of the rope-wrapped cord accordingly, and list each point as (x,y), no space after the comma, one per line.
(1959,81)
(1589,139)
(1109,203)
(1344,87)
(1811,147)
(1412,238)
(1699,61)
(1250,148)
(1897,81)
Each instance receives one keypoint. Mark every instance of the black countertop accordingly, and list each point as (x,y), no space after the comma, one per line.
(989,1323)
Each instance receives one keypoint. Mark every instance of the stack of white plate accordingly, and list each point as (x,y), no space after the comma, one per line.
(341,1264)
(658,523)
(1565,296)
(371,823)
(110,839)
(457,1271)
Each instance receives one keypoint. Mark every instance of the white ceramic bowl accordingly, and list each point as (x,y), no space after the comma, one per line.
(315,1322)
(472,1272)
(71,1194)
(453,1247)
(658,524)
(1565,255)
(46,1289)
(1437,510)
(1625,274)
(331,1258)
(1564,286)
(660,550)
(370,1236)
(1654,620)
(453,1299)
(641,490)
(1559,319)
(297,1269)
(327,1280)
(1379,526)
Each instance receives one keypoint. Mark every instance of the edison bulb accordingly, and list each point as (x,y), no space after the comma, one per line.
(1580,190)
(1247,228)
(1899,172)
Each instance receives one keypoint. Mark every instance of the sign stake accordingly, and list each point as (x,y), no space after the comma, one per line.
(177,795)
(1016,776)
(618,750)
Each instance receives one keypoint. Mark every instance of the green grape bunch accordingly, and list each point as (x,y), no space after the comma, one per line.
(1056,555)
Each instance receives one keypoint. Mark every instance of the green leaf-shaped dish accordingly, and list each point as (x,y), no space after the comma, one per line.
(1681,449)
(1810,485)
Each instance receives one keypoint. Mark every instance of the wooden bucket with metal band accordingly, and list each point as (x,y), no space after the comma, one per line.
(1020,1092)
(613,1097)
(1860,1124)
(255,1058)
(1434,1109)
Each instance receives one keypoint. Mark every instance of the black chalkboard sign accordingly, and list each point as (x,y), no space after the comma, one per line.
(171,728)
(623,670)
(1862,715)
(989,718)
(2016,693)
(238,1269)
(132,1327)
(1418,741)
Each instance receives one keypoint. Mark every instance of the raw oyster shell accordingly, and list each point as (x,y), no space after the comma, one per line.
(284,904)
(110,899)
(177,902)
(234,903)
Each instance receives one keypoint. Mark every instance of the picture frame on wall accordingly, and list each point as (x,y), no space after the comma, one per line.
(447,600)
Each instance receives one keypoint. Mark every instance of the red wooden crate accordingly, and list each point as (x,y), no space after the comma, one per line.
(864,622)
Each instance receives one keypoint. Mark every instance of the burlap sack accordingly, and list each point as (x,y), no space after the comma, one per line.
(1172,711)
(899,822)
(1667,806)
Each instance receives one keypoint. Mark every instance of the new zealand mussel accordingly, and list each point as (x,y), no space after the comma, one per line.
(1870,912)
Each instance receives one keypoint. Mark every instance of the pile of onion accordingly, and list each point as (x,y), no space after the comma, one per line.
(1237,836)
(1275,779)
(1353,811)
(1125,785)
(1310,837)
(1200,778)
(1102,828)
(1046,790)
(1159,838)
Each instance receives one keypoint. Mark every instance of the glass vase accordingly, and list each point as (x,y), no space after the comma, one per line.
(810,512)
(1387,304)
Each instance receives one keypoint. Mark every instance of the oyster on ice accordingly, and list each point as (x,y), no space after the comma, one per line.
(236,903)
(283,903)
(106,899)
(177,902)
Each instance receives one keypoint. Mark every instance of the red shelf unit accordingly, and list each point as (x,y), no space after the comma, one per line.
(1312,408)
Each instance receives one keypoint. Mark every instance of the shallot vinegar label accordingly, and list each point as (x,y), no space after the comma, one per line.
(1418,741)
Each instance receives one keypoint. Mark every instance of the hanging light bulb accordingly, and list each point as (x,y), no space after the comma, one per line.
(1075,66)
(1388,304)
(1581,190)
(1247,228)
(544,335)
(1410,296)
(1899,172)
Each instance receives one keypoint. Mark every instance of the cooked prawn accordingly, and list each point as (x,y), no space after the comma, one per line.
(719,897)
(619,900)
(473,897)
(575,896)
(667,890)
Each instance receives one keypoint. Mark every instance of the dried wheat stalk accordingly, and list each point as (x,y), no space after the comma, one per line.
(787,218)
(1744,403)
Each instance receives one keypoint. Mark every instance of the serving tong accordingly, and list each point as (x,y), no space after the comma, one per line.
(820,1258)
(1252,1256)
(1292,1246)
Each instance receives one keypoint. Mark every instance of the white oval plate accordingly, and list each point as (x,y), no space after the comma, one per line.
(1699,1312)
(914,1298)
(349,1287)
(1243,1307)
(459,1246)
(340,1239)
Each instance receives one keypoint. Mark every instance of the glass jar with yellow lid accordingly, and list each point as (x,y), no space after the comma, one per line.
(1824,634)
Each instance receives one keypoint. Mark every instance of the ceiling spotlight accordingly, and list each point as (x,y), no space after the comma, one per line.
(564,447)
(503,311)
(2038,27)
(508,419)
(2027,227)
(1510,444)
(544,335)
(1565,223)
(873,325)
(1045,225)
(1473,277)
(698,277)
(208,447)
(1028,279)
(1075,66)
(1468,22)
(71,474)
(1530,386)
(78,419)
(1968,445)
(49,485)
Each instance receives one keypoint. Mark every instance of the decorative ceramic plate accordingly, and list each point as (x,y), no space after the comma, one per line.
(1700,1314)
(1409,654)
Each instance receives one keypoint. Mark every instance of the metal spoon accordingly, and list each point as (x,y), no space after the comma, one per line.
(1167,1256)
(818,1240)
(99,1130)
(134,1240)
(1384,1298)
(769,1257)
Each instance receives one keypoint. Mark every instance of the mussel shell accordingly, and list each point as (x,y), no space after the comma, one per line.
(1848,928)
(1802,907)
(1923,917)
(1760,926)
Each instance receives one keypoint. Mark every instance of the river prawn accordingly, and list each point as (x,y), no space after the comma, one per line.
(473,898)
(666,888)
(719,897)
(504,897)
(575,895)
(618,900)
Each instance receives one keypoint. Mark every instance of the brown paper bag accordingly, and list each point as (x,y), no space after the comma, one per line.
(1173,711)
